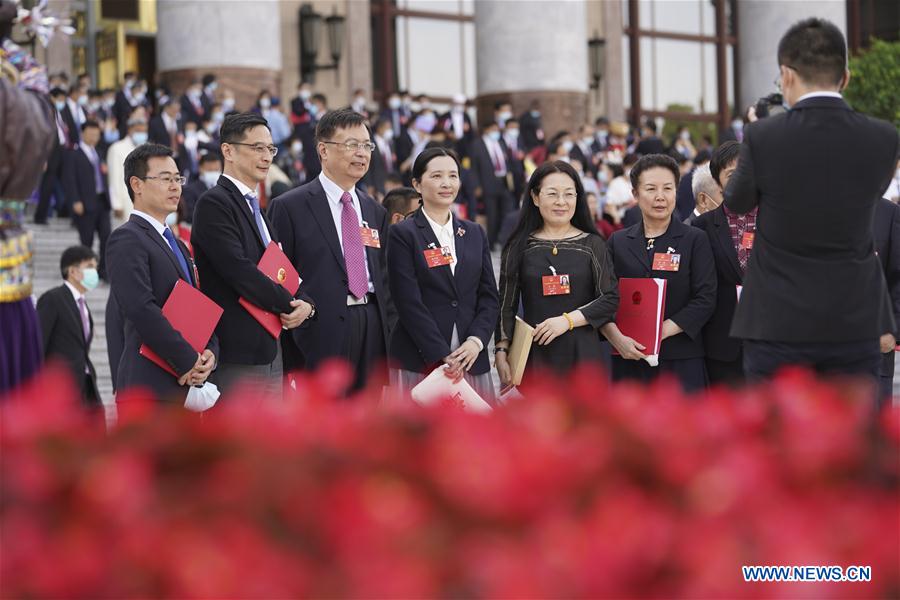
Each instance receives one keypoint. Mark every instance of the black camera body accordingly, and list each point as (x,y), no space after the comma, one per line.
(770,105)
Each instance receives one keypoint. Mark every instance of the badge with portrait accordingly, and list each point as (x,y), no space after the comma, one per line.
(556,285)
(438,257)
(666,261)
(370,236)
(747,240)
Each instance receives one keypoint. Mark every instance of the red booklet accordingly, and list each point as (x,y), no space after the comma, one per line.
(191,314)
(275,265)
(641,312)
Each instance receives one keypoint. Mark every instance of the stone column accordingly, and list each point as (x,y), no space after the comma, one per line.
(535,50)
(240,42)
(761,23)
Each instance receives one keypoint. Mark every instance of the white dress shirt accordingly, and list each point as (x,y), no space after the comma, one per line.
(244,190)
(824,94)
(159,227)
(115,163)
(333,193)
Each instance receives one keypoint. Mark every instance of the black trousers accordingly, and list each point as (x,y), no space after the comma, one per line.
(364,346)
(690,372)
(726,372)
(496,206)
(763,359)
(886,383)
(88,224)
(50,181)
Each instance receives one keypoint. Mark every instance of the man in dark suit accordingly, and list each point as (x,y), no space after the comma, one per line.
(210,171)
(208,98)
(52,178)
(85,180)
(229,236)
(394,114)
(532,126)
(650,143)
(731,250)
(583,149)
(192,104)
(887,247)
(66,321)
(490,166)
(165,129)
(814,293)
(145,262)
(384,160)
(326,226)
(458,125)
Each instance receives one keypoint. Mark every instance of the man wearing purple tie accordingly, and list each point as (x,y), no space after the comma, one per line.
(229,236)
(332,232)
(66,322)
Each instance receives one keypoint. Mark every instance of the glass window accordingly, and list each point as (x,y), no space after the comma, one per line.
(441,6)
(660,90)
(708,18)
(423,45)
(729,52)
(470,77)
(682,16)
(710,98)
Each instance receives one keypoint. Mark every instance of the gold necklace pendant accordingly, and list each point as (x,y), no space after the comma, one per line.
(555,251)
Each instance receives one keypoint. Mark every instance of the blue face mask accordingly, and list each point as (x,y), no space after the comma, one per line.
(494,135)
(60,105)
(90,279)
(536,114)
(111,136)
(139,137)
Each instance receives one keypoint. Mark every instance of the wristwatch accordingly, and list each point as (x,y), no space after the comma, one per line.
(496,350)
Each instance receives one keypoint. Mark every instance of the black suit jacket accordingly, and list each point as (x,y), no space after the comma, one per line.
(73,130)
(685,203)
(190,113)
(716,335)
(190,194)
(887,246)
(377,174)
(431,301)
(483,167)
(306,228)
(587,162)
(143,270)
(690,291)
(63,337)
(816,172)
(157,132)
(79,182)
(115,337)
(228,246)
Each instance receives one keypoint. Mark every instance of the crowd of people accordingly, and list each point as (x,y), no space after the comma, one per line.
(390,214)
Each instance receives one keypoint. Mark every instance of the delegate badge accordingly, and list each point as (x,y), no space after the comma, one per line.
(556,285)
(370,236)
(666,262)
(438,257)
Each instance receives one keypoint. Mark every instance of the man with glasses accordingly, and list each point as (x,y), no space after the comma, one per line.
(813,292)
(333,233)
(229,235)
(145,261)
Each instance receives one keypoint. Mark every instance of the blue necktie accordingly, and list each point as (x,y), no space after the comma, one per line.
(170,237)
(254,204)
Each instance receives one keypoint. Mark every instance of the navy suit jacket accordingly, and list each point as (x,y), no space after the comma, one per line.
(228,247)
(143,270)
(690,291)
(78,175)
(717,333)
(303,222)
(887,246)
(431,301)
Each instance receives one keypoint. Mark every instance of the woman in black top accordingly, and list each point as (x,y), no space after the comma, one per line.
(558,264)
(665,248)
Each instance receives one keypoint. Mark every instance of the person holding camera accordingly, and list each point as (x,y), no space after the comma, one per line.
(813,294)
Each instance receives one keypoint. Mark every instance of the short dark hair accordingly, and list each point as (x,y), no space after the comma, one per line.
(429,154)
(651,161)
(397,200)
(74,256)
(616,169)
(650,124)
(342,118)
(815,48)
(236,125)
(210,157)
(90,123)
(208,79)
(702,156)
(137,159)
(723,156)
(677,156)
(393,178)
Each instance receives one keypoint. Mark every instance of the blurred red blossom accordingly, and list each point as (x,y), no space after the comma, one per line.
(582,490)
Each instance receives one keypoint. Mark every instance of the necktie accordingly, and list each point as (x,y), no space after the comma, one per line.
(98,178)
(257,216)
(170,237)
(354,251)
(742,252)
(85,319)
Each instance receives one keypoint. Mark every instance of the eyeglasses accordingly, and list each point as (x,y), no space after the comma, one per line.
(553,195)
(258,148)
(168,179)
(354,146)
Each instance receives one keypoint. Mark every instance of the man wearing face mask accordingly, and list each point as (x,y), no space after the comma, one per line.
(165,129)
(513,141)
(192,104)
(359,102)
(394,114)
(209,92)
(115,160)
(210,169)
(52,175)
(814,293)
(490,166)
(583,149)
(383,162)
(66,322)
(458,125)
(291,162)
(532,127)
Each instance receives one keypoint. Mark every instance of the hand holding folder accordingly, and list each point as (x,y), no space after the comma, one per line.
(191,314)
(275,265)
(519,349)
(641,313)
(437,387)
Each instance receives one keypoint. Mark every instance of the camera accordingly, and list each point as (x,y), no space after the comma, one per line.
(770,105)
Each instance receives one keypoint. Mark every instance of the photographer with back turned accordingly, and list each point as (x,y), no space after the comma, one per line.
(814,294)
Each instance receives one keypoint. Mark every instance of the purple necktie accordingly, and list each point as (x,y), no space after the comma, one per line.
(85,320)
(354,251)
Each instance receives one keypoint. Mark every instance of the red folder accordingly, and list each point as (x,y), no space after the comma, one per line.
(642,306)
(275,265)
(191,314)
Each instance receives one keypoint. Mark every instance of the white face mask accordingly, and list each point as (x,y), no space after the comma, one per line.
(210,178)
(203,398)
(394,103)
(387,135)
(297,147)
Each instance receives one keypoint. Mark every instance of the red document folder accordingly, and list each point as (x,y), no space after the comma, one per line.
(642,306)
(276,266)
(191,314)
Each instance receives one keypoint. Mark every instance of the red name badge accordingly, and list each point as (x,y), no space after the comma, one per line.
(666,262)
(370,237)
(438,257)
(556,285)
(747,240)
